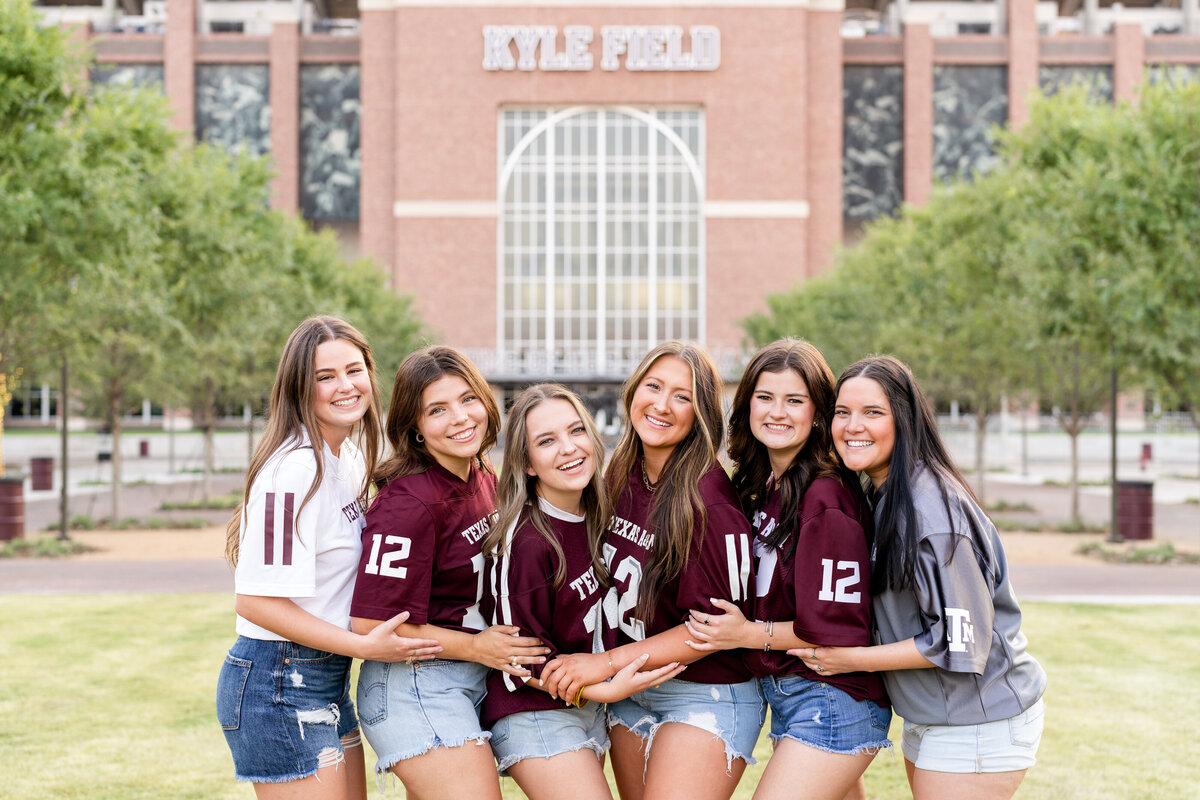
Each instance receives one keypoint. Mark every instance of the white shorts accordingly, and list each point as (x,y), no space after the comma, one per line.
(1007,745)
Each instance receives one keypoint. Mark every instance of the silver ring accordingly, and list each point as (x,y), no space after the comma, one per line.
(514,661)
(706,620)
(820,668)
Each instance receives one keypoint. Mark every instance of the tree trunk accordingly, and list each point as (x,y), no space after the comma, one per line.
(4,396)
(1074,434)
(114,424)
(981,417)
(210,414)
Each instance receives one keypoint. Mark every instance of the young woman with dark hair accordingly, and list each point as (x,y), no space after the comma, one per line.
(677,540)
(951,650)
(812,563)
(548,578)
(422,553)
(283,694)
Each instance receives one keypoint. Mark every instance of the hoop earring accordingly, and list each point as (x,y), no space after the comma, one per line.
(420,439)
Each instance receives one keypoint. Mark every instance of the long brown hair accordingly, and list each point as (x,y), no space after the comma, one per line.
(417,371)
(816,459)
(292,412)
(516,492)
(677,509)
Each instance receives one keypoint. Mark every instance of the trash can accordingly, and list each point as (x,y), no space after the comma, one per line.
(41,474)
(12,509)
(144,448)
(1135,509)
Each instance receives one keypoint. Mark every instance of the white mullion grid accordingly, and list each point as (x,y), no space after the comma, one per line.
(652,234)
(550,213)
(502,312)
(601,242)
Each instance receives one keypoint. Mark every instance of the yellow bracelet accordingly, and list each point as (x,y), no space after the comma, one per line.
(579,702)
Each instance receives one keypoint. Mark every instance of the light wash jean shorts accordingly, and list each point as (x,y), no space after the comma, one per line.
(284,709)
(551,732)
(409,709)
(1007,745)
(732,712)
(822,716)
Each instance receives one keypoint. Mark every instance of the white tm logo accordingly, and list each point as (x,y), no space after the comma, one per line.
(960,630)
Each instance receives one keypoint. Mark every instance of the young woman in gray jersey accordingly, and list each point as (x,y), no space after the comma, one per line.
(948,625)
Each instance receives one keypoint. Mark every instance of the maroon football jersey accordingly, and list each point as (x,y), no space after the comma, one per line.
(719,565)
(568,619)
(422,550)
(822,588)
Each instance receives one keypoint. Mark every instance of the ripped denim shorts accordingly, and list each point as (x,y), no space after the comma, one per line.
(284,708)
(409,709)
(548,733)
(732,712)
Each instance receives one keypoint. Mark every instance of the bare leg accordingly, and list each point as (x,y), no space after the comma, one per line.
(929,785)
(451,773)
(329,783)
(356,772)
(797,770)
(578,774)
(858,791)
(686,761)
(628,761)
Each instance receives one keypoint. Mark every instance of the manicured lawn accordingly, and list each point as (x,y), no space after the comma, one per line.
(111,696)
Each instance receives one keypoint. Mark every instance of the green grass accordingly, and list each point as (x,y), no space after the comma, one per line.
(1005,505)
(111,697)
(224,502)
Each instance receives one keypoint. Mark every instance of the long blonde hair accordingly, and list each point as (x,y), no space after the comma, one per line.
(421,368)
(516,492)
(292,412)
(677,509)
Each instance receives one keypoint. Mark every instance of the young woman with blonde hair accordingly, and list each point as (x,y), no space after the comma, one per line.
(550,579)
(283,694)
(422,554)
(679,541)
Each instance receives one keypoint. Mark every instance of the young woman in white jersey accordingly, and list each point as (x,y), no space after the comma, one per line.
(549,578)
(679,539)
(283,694)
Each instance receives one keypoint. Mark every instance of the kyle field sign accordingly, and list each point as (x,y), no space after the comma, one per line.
(642,48)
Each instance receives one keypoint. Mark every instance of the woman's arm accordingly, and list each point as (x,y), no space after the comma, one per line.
(564,676)
(732,630)
(383,643)
(494,647)
(877,658)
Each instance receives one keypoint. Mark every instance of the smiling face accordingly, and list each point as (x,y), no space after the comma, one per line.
(781,416)
(661,411)
(561,455)
(864,431)
(453,420)
(343,390)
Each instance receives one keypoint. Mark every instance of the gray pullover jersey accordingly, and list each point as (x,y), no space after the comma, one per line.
(964,616)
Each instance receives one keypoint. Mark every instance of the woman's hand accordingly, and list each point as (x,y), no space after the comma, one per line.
(384,644)
(719,631)
(566,674)
(500,647)
(828,660)
(630,680)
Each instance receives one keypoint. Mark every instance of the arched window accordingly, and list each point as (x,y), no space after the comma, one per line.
(601,235)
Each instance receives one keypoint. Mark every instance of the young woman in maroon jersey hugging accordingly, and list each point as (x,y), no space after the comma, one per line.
(549,578)
(283,694)
(422,553)
(812,568)
(677,538)
(951,649)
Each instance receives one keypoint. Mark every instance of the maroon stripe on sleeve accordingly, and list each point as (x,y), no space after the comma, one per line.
(288,519)
(269,530)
